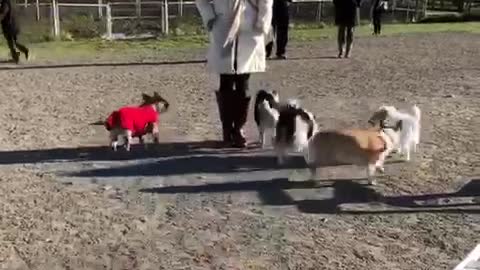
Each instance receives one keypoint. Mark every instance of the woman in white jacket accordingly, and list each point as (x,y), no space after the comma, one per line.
(237,31)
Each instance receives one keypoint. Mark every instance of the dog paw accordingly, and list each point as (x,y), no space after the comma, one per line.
(372,182)
(114,146)
(381,169)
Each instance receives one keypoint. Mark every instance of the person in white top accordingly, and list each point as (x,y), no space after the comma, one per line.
(237,31)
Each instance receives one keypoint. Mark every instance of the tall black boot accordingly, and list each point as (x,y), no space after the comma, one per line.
(240,119)
(224,102)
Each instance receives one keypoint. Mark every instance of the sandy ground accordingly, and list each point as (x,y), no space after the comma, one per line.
(68,203)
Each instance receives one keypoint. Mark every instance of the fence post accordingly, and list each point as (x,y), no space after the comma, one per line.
(138,9)
(162,15)
(108,12)
(100,9)
(37,9)
(165,15)
(180,8)
(56,19)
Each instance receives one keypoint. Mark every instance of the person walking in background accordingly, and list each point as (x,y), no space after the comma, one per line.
(237,30)
(10,29)
(378,7)
(346,17)
(280,22)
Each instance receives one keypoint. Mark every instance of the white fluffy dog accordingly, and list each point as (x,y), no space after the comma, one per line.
(409,136)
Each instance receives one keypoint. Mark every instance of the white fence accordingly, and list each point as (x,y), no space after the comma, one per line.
(105,11)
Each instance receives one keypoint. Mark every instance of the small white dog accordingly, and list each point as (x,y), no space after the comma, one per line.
(266,114)
(408,124)
(294,128)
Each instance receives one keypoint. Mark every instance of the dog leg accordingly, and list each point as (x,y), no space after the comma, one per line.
(414,147)
(262,138)
(281,157)
(128,140)
(113,142)
(381,160)
(407,153)
(156,138)
(156,133)
(114,145)
(371,174)
(313,172)
(120,140)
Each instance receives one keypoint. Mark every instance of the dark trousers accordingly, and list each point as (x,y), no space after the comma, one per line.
(345,33)
(280,22)
(234,82)
(377,23)
(11,37)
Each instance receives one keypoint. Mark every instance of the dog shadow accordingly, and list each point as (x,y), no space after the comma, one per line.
(195,163)
(104,153)
(334,194)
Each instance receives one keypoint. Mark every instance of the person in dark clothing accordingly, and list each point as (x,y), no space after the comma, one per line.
(378,7)
(10,29)
(280,22)
(346,16)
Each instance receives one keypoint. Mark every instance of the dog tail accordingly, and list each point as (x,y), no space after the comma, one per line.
(98,123)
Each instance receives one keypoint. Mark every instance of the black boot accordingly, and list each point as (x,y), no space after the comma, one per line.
(224,102)
(239,120)
(16,57)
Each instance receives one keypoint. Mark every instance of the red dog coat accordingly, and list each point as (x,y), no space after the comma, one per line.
(134,119)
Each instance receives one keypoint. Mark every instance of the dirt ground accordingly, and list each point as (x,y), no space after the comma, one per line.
(422,215)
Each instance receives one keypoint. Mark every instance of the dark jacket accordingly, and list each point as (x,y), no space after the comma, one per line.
(377,8)
(346,12)
(7,16)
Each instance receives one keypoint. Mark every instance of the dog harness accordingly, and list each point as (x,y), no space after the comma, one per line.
(134,119)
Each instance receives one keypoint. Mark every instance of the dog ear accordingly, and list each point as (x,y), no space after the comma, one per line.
(146,98)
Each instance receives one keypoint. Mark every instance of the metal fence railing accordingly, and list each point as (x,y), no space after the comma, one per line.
(164,13)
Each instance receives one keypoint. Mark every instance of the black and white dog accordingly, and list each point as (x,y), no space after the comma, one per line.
(294,128)
(266,114)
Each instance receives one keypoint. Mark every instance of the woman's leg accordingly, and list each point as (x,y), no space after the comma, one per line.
(21,48)
(379,24)
(224,101)
(242,102)
(9,37)
(349,41)
(340,39)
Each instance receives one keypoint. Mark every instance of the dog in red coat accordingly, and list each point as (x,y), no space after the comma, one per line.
(136,121)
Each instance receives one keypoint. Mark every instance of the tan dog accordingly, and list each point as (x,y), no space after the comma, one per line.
(136,121)
(362,147)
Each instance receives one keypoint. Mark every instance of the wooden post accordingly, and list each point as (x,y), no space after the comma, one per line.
(162,15)
(108,12)
(180,8)
(100,9)
(138,9)
(56,19)
(165,16)
(37,9)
